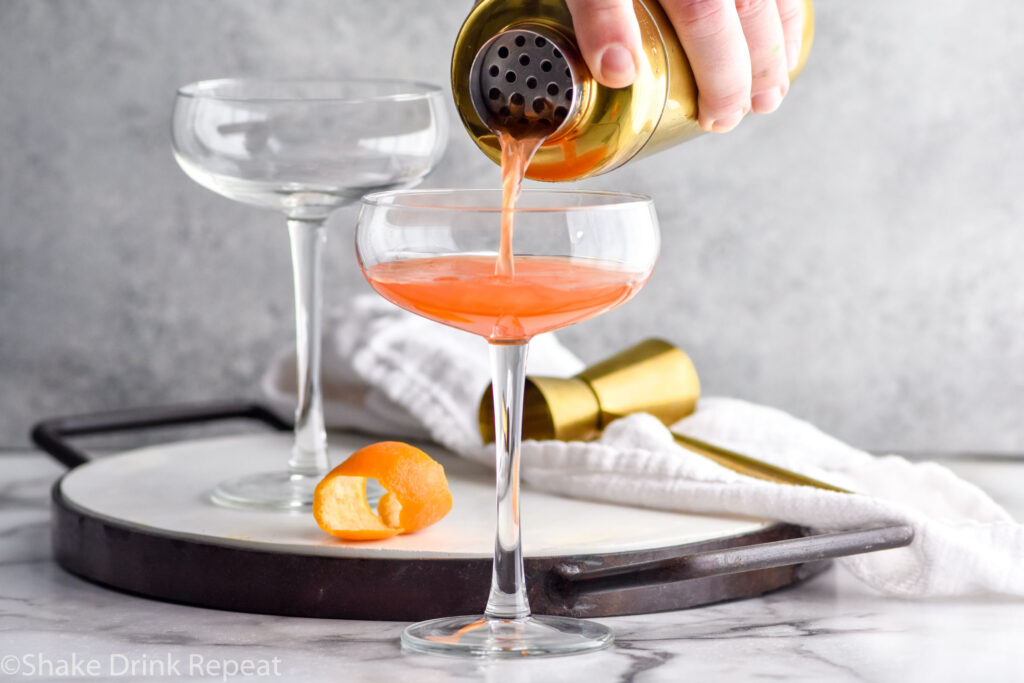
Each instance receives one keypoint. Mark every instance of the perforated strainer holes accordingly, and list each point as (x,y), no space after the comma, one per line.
(522,84)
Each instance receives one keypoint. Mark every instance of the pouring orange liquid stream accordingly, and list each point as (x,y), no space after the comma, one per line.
(516,155)
(507,300)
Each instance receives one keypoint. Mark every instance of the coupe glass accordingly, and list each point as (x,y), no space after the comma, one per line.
(576,255)
(304,148)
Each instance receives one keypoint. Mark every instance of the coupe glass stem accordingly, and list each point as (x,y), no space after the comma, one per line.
(508,585)
(309,454)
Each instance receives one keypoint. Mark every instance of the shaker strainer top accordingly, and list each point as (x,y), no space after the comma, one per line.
(525,82)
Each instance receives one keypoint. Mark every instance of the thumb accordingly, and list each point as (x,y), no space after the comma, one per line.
(609,39)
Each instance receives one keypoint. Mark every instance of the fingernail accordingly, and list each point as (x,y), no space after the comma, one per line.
(726,123)
(766,101)
(792,54)
(617,66)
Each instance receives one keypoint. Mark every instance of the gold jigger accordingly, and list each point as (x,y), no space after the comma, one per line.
(653,377)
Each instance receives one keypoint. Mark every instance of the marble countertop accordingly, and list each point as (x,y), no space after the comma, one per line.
(56,626)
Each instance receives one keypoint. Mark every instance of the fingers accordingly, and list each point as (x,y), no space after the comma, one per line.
(609,39)
(712,36)
(791,13)
(741,51)
(763,29)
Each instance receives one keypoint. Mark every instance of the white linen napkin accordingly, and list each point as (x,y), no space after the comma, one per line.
(393,373)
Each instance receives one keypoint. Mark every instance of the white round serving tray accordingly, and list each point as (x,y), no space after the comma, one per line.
(142,521)
(166,489)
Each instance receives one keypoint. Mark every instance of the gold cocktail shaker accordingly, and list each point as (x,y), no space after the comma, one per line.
(517,61)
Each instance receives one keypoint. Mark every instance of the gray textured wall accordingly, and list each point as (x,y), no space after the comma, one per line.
(854,258)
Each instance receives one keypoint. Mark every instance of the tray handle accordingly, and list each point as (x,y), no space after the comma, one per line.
(573,580)
(53,435)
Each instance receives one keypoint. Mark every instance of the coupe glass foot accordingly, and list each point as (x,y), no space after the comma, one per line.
(478,636)
(267,491)
(277,491)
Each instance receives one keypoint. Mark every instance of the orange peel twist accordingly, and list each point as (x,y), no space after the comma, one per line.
(417,493)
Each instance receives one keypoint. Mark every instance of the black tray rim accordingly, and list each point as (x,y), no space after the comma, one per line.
(155,564)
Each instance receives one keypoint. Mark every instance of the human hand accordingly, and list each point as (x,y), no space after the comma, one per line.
(735,48)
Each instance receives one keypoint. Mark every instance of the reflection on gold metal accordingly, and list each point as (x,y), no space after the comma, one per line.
(611,126)
(652,377)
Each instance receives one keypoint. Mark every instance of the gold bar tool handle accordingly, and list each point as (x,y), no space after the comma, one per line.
(751,467)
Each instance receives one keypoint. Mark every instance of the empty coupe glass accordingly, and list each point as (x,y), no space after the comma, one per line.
(304,148)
